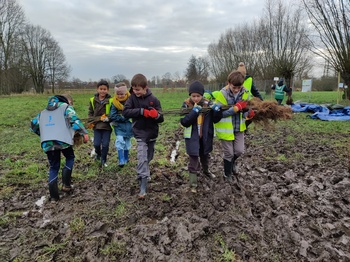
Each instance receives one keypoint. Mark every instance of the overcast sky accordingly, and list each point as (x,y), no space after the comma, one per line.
(103,38)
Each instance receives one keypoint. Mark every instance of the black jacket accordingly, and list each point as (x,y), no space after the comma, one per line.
(196,145)
(145,129)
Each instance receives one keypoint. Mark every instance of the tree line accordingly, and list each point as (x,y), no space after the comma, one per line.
(29,55)
(283,43)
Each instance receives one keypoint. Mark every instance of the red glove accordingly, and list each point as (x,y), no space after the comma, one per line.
(239,106)
(86,138)
(146,113)
(153,113)
(251,114)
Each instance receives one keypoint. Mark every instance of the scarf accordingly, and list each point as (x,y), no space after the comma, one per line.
(118,102)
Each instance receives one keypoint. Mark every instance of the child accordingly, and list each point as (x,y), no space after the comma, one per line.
(122,125)
(280,88)
(99,109)
(230,130)
(145,110)
(199,132)
(56,126)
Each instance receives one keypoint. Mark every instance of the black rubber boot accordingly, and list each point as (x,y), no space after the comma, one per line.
(228,170)
(143,187)
(66,180)
(234,168)
(53,189)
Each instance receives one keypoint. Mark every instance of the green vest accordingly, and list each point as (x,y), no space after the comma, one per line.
(224,128)
(248,85)
(108,106)
(279,93)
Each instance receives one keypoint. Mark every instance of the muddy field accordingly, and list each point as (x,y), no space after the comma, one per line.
(292,205)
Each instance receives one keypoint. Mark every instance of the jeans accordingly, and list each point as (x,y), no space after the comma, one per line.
(54,158)
(102,138)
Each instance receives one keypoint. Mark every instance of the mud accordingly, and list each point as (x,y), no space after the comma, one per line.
(293,205)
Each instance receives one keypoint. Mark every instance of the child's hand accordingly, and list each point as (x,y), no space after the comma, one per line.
(216,107)
(197,108)
(251,114)
(104,118)
(153,113)
(239,106)
(146,113)
(86,138)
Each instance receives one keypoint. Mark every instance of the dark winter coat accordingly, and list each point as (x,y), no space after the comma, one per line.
(195,144)
(96,111)
(145,129)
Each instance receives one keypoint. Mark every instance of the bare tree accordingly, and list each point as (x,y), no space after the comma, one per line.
(57,68)
(118,78)
(197,69)
(11,22)
(276,44)
(44,59)
(285,39)
(331,20)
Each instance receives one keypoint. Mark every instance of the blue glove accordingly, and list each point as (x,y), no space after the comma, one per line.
(216,107)
(197,108)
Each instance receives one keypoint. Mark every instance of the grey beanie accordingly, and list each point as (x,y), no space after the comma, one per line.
(196,87)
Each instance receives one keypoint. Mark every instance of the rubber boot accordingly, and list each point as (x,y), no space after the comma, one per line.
(193,182)
(121,157)
(53,189)
(143,187)
(208,173)
(228,171)
(234,168)
(67,180)
(126,156)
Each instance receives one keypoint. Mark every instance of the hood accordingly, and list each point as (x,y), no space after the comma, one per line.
(55,101)
(280,83)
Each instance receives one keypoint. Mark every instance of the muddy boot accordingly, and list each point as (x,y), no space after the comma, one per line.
(234,168)
(228,171)
(143,187)
(126,156)
(207,172)
(193,182)
(67,180)
(121,158)
(53,189)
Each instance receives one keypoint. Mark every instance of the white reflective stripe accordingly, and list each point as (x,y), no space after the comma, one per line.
(226,119)
(223,130)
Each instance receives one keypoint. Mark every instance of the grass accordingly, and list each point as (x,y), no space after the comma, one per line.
(24,163)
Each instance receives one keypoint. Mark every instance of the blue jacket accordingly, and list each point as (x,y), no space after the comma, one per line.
(122,125)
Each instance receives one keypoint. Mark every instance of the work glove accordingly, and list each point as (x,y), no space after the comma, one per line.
(251,114)
(104,118)
(153,113)
(146,113)
(216,107)
(239,106)
(86,138)
(197,108)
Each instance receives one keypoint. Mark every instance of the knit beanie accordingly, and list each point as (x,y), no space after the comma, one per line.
(196,87)
(120,89)
(241,68)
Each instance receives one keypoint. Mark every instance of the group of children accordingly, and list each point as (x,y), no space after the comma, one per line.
(138,114)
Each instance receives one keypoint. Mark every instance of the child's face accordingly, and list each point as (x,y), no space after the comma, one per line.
(196,98)
(235,89)
(139,90)
(102,90)
(120,94)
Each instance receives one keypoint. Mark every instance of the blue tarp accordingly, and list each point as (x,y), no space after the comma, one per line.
(324,112)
